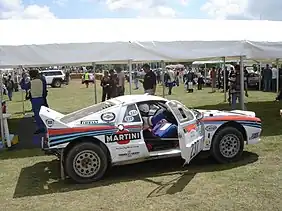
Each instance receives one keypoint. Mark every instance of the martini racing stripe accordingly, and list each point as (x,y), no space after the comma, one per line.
(244,123)
(55,140)
(51,138)
(67,139)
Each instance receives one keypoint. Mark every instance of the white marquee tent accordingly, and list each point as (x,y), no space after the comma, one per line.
(53,42)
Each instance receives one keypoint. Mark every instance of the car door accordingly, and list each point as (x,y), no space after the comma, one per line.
(130,145)
(190,130)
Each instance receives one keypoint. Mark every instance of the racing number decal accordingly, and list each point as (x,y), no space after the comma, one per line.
(195,149)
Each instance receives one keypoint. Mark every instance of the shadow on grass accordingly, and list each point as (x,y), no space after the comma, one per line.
(43,178)
(268,112)
(14,153)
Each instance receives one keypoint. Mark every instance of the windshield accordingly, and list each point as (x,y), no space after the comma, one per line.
(86,111)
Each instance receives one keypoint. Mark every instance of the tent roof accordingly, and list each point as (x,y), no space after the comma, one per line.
(59,31)
(65,41)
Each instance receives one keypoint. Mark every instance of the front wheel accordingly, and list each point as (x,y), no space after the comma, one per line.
(227,145)
(86,162)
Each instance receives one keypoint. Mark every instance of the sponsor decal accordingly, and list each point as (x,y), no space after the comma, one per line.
(128,154)
(89,122)
(254,136)
(49,122)
(122,137)
(108,117)
(127,147)
(129,119)
(211,128)
(133,113)
(195,149)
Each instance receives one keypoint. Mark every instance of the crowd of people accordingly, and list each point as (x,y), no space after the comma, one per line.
(113,83)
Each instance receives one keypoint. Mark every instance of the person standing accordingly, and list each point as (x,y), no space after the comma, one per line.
(135,79)
(37,97)
(45,91)
(121,82)
(25,85)
(226,74)
(200,82)
(219,77)
(213,79)
(86,79)
(267,76)
(150,80)
(235,87)
(170,80)
(274,78)
(190,81)
(10,87)
(105,84)
(67,77)
(113,84)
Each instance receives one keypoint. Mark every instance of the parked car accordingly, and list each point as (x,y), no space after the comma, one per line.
(134,128)
(54,78)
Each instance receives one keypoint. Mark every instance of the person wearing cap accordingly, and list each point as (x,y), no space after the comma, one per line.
(150,80)
(235,87)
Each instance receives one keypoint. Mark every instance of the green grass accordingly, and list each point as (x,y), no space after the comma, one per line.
(29,180)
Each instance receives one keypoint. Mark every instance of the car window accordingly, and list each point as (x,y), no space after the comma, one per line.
(86,111)
(131,114)
(182,114)
(52,73)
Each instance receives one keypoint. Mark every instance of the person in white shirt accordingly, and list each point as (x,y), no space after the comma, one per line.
(274,78)
(170,80)
(121,81)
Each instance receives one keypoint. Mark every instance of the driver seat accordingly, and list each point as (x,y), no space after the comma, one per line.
(164,129)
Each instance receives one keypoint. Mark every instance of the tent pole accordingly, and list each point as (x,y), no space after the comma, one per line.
(95,86)
(259,76)
(205,71)
(163,72)
(130,76)
(278,76)
(242,83)
(22,94)
(224,79)
(1,112)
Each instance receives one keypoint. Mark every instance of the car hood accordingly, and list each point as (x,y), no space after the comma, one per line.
(208,113)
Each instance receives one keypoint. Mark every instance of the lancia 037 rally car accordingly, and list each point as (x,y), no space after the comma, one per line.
(135,128)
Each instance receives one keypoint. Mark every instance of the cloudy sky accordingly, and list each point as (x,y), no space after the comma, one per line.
(193,9)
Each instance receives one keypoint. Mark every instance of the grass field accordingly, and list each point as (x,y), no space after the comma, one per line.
(29,180)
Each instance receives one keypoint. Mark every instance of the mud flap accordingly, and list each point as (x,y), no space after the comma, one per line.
(62,165)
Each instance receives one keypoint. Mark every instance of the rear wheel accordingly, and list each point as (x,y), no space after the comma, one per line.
(57,84)
(227,145)
(86,162)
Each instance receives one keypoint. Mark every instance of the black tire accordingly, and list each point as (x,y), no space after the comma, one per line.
(57,83)
(97,153)
(219,136)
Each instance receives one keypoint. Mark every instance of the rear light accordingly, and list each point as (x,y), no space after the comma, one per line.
(45,141)
(4,107)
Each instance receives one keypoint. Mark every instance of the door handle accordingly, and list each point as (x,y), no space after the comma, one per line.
(180,135)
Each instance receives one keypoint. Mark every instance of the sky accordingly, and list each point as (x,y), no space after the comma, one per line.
(190,9)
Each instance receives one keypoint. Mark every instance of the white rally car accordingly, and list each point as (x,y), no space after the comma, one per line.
(135,128)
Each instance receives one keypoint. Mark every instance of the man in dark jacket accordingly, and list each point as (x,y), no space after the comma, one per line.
(150,80)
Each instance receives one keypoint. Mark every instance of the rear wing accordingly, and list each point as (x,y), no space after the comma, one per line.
(51,118)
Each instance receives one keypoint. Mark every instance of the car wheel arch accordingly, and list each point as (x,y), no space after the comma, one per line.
(89,140)
(236,125)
